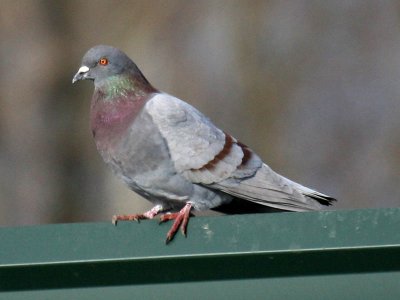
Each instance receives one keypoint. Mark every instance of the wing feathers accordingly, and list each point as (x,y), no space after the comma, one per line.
(271,189)
(207,156)
(221,167)
(192,139)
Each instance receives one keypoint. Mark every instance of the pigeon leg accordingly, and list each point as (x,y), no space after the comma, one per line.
(181,220)
(150,214)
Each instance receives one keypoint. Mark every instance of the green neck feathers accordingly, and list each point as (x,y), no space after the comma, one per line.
(117,86)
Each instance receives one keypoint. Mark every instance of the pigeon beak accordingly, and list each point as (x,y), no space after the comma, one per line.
(81,74)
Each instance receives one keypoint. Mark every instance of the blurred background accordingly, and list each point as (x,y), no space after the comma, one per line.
(312,86)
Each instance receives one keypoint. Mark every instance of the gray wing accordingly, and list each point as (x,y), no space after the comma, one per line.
(206,155)
(269,188)
(200,151)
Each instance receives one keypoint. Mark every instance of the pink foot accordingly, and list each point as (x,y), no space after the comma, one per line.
(181,220)
(137,217)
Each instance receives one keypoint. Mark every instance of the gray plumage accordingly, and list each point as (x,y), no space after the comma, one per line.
(167,151)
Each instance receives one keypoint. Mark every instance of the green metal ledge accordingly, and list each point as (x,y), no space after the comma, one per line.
(328,254)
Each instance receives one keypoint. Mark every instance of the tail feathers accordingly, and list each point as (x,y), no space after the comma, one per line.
(271,189)
(321,198)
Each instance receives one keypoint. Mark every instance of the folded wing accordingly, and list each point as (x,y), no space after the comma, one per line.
(206,155)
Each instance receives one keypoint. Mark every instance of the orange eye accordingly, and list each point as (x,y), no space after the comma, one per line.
(103,61)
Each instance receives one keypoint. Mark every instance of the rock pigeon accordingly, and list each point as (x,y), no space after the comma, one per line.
(171,154)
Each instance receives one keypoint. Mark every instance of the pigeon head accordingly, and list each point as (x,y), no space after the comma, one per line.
(102,62)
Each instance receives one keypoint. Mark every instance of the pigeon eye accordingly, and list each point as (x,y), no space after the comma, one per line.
(103,61)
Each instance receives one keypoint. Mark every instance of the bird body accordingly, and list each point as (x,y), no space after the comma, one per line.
(170,153)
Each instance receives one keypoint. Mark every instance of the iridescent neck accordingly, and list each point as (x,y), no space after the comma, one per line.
(118,86)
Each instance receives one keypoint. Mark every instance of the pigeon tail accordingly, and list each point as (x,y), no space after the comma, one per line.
(271,189)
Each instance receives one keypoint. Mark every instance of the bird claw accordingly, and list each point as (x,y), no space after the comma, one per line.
(181,221)
(136,218)
(168,216)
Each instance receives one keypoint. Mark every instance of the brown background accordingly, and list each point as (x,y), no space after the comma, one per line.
(312,86)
